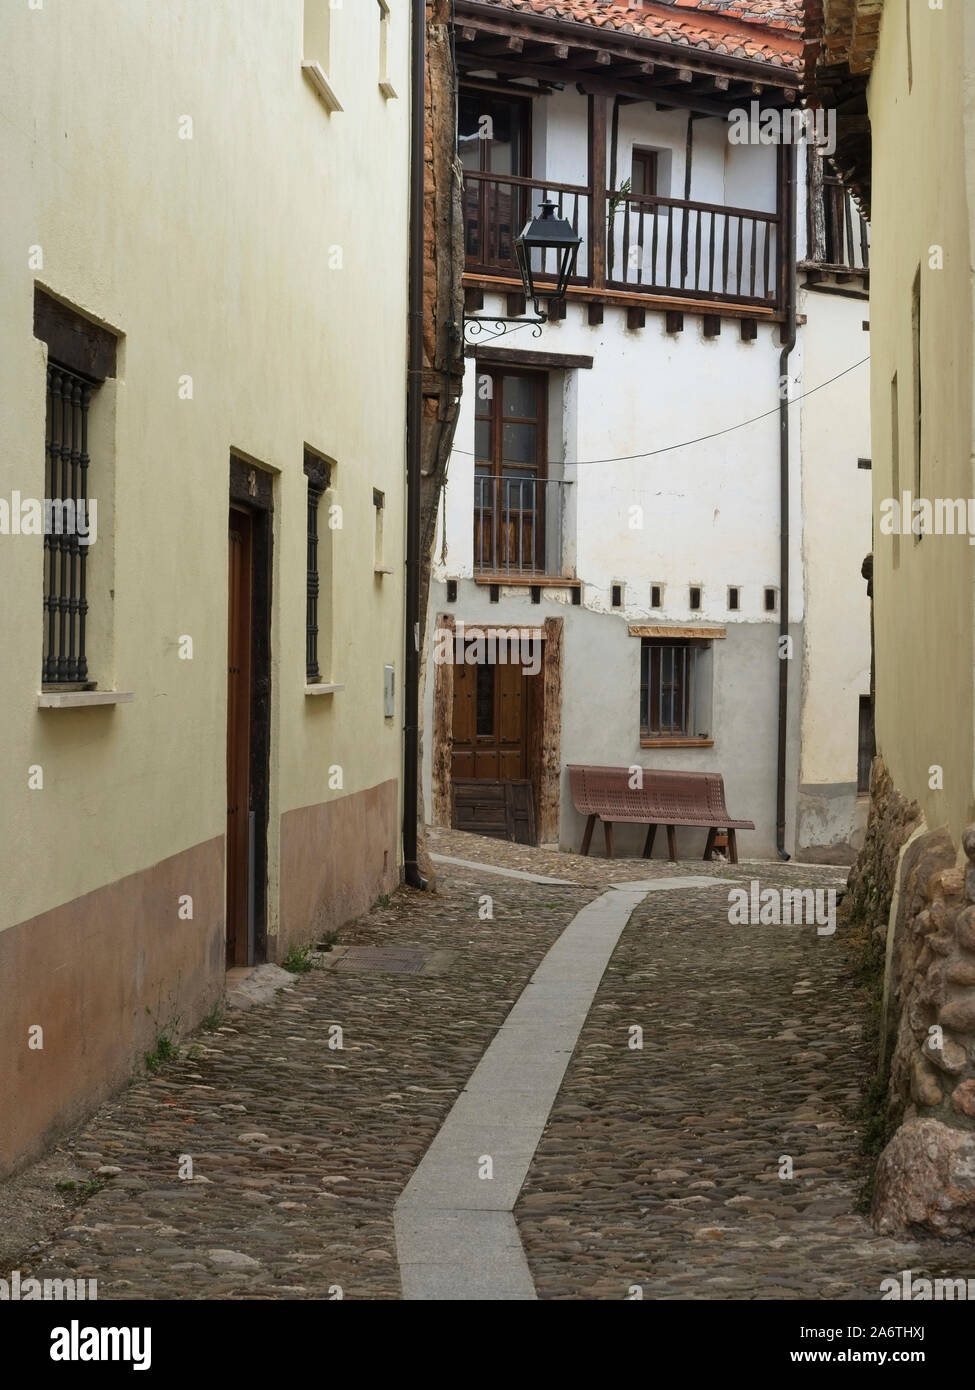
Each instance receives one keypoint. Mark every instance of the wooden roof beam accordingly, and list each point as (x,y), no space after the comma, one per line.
(495,50)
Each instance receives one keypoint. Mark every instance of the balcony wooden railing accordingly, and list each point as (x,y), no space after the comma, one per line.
(518,524)
(497,207)
(670,247)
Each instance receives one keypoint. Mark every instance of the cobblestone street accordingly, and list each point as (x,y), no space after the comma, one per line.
(659,1167)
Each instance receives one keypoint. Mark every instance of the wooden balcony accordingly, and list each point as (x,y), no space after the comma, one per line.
(838,233)
(634,249)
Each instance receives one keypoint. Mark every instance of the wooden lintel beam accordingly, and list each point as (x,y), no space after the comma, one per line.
(678,96)
(512,67)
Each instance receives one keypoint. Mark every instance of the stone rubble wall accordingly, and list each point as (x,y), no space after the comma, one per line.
(907,883)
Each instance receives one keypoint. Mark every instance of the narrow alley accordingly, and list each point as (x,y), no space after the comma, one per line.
(658,1173)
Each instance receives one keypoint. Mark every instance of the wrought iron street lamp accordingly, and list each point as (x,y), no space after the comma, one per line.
(545,233)
(540,235)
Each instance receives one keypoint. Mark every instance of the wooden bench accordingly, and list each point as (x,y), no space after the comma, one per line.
(665,798)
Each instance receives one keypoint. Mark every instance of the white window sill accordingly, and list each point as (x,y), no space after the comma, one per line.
(383,569)
(82,699)
(323,689)
(388,91)
(318,78)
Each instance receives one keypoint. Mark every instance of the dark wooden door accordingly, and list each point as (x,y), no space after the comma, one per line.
(239,682)
(501,810)
(490,729)
(493,711)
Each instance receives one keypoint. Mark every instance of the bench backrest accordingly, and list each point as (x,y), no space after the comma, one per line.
(604,791)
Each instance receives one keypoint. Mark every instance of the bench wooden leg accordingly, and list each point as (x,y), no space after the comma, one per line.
(648,844)
(587,837)
(709,847)
(672,844)
(608,832)
(732,847)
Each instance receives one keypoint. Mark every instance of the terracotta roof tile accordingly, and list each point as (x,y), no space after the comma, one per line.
(777,14)
(716,26)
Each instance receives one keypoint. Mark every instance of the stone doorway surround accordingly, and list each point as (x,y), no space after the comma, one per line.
(545,741)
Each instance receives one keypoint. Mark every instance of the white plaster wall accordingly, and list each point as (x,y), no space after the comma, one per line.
(710,510)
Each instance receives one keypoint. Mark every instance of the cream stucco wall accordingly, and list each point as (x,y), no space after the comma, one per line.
(836,502)
(924,164)
(211,257)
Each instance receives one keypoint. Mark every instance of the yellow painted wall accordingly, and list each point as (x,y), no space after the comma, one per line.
(211,257)
(836,534)
(924,163)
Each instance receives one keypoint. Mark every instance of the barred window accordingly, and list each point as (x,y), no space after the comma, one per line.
(66,527)
(674,689)
(316,470)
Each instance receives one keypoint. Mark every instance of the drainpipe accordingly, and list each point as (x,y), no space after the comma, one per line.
(414,437)
(787,189)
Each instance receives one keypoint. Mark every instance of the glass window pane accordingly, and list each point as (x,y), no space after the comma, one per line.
(520,396)
(519,489)
(482,439)
(470,109)
(519,443)
(504,149)
(485,700)
(484,487)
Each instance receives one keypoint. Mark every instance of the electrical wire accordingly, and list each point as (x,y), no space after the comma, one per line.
(701,438)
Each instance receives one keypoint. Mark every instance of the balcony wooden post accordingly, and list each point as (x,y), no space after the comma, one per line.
(816,250)
(597,190)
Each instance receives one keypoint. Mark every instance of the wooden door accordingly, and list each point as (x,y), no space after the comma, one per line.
(494,138)
(489,724)
(239,673)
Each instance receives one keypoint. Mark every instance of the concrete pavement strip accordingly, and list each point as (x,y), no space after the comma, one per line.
(456,1236)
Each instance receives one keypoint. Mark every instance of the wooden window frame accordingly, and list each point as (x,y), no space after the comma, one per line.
(680,734)
(494,415)
(648,158)
(485,262)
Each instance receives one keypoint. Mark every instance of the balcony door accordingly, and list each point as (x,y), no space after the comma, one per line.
(494,143)
(510,437)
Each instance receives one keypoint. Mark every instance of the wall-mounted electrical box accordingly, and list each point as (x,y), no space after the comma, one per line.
(389,691)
